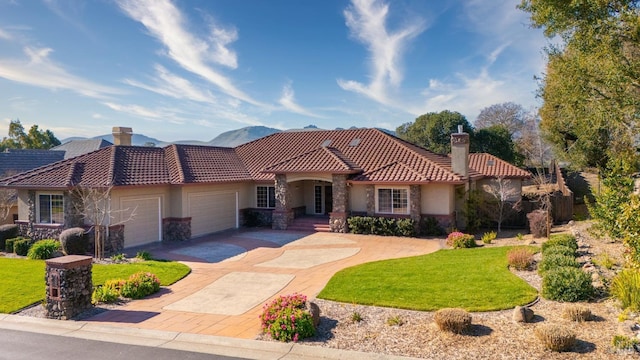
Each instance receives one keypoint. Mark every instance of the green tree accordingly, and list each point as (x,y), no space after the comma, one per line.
(591,91)
(496,140)
(34,139)
(433,130)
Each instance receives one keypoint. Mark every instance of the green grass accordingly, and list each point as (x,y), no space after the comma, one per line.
(23,280)
(473,279)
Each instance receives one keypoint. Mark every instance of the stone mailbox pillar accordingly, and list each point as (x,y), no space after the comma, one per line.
(68,286)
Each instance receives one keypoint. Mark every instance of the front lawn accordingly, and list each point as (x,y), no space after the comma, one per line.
(474,279)
(23,280)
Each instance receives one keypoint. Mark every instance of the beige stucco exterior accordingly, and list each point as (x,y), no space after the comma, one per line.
(438,199)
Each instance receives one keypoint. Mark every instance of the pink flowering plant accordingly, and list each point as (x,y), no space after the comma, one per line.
(459,240)
(287,318)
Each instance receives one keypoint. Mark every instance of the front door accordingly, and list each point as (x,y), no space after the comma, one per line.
(323,199)
(328,199)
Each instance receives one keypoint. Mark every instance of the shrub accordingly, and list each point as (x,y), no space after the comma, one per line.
(561,239)
(395,320)
(118,258)
(559,250)
(520,258)
(287,319)
(109,292)
(431,227)
(9,244)
(625,287)
(43,249)
(459,240)
(553,261)
(566,284)
(144,255)
(488,237)
(381,226)
(74,241)
(8,231)
(622,342)
(604,260)
(356,317)
(538,223)
(140,285)
(555,337)
(576,312)
(21,247)
(453,320)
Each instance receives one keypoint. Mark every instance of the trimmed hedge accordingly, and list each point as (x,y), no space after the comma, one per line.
(8,231)
(567,284)
(553,261)
(561,239)
(21,247)
(369,225)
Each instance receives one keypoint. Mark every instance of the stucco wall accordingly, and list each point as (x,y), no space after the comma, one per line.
(23,205)
(438,199)
(358,198)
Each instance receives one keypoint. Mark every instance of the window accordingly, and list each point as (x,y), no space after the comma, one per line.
(393,201)
(50,209)
(266,197)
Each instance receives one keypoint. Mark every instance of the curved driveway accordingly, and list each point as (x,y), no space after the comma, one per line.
(235,273)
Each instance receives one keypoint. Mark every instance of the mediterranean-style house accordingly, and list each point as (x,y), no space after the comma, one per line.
(182,191)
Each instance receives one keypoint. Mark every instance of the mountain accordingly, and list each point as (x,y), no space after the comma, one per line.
(231,138)
(234,138)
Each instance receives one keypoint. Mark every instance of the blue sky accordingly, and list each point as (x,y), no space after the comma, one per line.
(178,70)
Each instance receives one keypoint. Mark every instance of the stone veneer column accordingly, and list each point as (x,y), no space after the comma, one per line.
(68,286)
(338,217)
(371,200)
(31,202)
(416,206)
(282,216)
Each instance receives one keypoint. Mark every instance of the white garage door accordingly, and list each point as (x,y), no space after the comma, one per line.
(144,226)
(211,212)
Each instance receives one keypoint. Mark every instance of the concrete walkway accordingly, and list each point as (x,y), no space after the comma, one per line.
(234,274)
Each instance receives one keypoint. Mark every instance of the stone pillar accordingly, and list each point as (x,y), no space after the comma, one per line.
(338,217)
(371,200)
(68,286)
(416,206)
(31,203)
(282,216)
(176,229)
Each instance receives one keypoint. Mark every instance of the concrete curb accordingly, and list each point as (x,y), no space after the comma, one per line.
(219,345)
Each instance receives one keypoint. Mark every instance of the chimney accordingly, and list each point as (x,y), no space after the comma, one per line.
(460,152)
(121,135)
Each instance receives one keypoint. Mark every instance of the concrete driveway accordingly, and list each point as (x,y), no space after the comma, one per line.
(235,273)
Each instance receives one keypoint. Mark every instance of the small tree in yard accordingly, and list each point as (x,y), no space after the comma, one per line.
(503,201)
(7,198)
(93,203)
(543,197)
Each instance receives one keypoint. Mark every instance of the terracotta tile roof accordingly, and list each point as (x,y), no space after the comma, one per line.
(368,149)
(320,160)
(204,164)
(370,155)
(491,166)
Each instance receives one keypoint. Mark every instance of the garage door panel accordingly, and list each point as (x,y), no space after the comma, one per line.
(212,212)
(144,226)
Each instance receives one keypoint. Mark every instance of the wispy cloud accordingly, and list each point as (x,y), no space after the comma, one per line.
(288,101)
(367,21)
(138,111)
(4,35)
(166,23)
(39,70)
(169,84)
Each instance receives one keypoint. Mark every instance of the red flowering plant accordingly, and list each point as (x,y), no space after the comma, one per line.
(286,318)
(459,240)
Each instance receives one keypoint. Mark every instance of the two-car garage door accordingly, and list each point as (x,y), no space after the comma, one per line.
(142,218)
(212,211)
